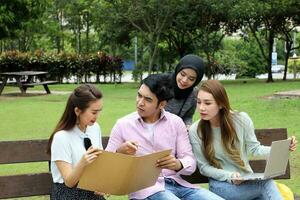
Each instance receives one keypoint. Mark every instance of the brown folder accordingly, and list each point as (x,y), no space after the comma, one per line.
(119,174)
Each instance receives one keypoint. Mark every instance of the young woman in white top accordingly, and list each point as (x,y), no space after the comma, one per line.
(75,143)
(222,141)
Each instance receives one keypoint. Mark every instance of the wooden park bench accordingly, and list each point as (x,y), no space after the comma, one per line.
(25,79)
(36,184)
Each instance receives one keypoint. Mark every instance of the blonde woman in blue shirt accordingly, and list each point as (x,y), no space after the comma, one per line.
(222,141)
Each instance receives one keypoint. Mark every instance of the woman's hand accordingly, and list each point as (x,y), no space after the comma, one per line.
(90,156)
(101,194)
(293,145)
(169,162)
(128,147)
(234,179)
(71,174)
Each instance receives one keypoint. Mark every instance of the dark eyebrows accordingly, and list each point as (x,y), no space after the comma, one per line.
(191,77)
(96,110)
(146,97)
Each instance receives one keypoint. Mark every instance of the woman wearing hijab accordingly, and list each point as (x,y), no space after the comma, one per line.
(188,73)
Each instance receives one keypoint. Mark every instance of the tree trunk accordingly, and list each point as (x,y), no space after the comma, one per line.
(78,40)
(97,77)
(142,57)
(181,51)
(62,43)
(270,48)
(57,38)
(209,66)
(87,33)
(153,53)
(286,58)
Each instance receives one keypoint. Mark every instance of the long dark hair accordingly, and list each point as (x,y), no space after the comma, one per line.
(228,133)
(81,98)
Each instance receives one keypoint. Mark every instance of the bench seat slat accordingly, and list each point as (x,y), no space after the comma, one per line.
(40,83)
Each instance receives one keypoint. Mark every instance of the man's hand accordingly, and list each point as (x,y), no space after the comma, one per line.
(169,162)
(128,147)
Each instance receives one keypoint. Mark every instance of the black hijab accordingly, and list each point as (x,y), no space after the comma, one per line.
(189,61)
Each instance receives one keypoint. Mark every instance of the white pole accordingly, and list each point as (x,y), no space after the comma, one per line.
(294,43)
(274,54)
(135,51)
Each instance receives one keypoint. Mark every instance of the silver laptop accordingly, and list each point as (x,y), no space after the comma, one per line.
(276,162)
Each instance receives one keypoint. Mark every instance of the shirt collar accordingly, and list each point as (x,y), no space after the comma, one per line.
(80,133)
(162,117)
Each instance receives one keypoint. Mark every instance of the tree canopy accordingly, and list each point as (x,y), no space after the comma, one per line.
(164,30)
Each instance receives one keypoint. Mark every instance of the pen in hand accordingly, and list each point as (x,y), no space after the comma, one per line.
(128,147)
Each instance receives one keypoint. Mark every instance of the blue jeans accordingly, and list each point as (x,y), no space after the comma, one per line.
(248,190)
(174,191)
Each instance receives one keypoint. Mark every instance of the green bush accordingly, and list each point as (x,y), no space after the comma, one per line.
(294,66)
(64,65)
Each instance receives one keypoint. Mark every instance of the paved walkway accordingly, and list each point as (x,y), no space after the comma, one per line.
(288,94)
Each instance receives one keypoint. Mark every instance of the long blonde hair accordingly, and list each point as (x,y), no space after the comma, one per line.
(229,137)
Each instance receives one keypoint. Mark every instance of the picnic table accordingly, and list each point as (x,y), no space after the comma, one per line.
(26,79)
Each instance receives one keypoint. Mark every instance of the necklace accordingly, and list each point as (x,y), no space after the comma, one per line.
(80,128)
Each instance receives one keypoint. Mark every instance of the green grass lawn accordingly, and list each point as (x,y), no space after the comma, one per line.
(34,116)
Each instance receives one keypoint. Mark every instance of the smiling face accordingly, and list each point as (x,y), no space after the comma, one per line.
(90,115)
(186,78)
(147,104)
(208,107)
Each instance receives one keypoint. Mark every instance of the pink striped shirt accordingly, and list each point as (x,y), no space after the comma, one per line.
(169,132)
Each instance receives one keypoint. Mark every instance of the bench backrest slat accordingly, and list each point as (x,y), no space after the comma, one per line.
(263,135)
(105,141)
(40,183)
(23,151)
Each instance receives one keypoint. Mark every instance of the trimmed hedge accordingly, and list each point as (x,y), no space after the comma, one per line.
(64,65)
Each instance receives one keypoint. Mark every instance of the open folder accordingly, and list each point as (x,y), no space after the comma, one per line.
(119,174)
